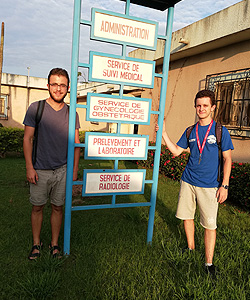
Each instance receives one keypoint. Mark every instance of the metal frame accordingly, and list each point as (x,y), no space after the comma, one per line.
(231,77)
(92,36)
(156,4)
(4,116)
(113,97)
(95,171)
(115,135)
(128,59)
(72,117)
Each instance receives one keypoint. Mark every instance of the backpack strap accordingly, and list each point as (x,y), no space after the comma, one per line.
(218,134)
(188,132)
(39,113)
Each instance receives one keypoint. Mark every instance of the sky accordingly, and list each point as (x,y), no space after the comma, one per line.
(38,33)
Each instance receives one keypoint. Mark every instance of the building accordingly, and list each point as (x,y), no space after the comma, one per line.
(212,53)
(19,91)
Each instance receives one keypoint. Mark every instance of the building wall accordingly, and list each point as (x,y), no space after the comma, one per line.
(186,77)
(22,93)
(216,44)
(17,104)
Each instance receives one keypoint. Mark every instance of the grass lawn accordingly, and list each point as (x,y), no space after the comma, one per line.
(110,258)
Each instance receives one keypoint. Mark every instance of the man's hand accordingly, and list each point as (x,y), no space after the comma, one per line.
(175,149)
(75,175)
(31,175)
(163,126)
(222,194)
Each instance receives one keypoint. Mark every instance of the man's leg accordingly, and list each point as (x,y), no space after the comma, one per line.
(36,223)
(56,222)
(209,239)
(189,230)
(186,211)
(57,197)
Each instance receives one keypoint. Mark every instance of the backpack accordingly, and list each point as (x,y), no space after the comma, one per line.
(218,134)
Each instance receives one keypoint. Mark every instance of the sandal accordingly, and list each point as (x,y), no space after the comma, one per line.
(55,248)
(34,256)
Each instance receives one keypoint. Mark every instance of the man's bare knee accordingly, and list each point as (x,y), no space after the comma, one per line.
(37,209)
(57,209)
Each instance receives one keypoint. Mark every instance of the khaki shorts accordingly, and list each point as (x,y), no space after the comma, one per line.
(206,200)
(51,184)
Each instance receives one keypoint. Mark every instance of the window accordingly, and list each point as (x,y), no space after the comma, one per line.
(232,91)
(3,107)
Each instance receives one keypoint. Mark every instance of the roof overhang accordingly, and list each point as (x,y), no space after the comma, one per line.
(156,4)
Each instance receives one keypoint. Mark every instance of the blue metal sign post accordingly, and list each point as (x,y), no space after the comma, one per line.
(122,70)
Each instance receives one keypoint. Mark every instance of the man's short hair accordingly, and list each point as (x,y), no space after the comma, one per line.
(205,93)
(59,72)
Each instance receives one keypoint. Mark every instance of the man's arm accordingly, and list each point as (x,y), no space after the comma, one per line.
(174,148)
(31,174)
(77,155)
(222,193)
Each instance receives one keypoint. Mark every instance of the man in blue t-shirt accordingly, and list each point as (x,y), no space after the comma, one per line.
(199,179)
(47,174)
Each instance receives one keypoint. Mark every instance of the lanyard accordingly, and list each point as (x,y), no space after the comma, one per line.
(205,139)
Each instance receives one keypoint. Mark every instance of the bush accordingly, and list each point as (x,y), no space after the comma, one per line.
(170,165)
(82,137)
(173,167)
(239,187)
(11,140)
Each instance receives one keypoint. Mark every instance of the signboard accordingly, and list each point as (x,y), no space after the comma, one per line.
(114,27)
(126,31)
(114,146)
(109,108)
(111,182)
(113,69)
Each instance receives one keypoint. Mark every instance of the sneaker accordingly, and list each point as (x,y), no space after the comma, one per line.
(186,250)
(211,270)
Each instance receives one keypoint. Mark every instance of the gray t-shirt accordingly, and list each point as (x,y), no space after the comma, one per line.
(52,142)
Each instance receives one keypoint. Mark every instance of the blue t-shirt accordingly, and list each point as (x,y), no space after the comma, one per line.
(205,173)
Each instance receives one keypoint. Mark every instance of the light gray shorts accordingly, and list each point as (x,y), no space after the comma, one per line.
(51,184)
(206,200)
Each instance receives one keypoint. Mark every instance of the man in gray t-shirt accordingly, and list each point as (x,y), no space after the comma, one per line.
(47,174)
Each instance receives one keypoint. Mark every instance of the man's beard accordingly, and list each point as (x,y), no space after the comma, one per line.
(57,100)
